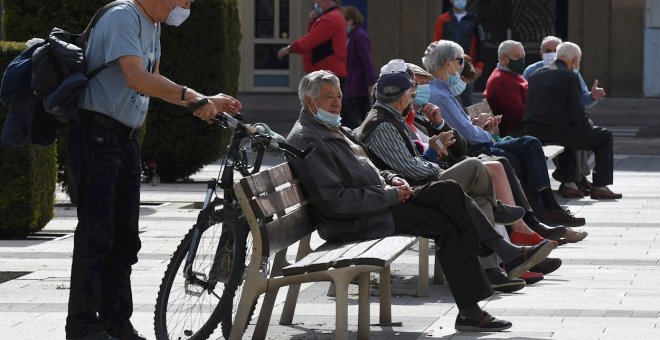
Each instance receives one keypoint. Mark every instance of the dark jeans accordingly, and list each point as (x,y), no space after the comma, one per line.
(526,156)
(519,197)
(440,210)
(354,110)
(594,138)
(105,169)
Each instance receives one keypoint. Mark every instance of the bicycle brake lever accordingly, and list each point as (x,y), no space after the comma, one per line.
(192,107)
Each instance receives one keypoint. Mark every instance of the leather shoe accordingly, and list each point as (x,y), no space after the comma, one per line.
(126,333)
(486,323)
(547,231)
(532,277)
(573,236)
(584,185)
(501,283)
(527,258)
(507,214)
(568,192)
(547,266)
(94,336)
(604,194)
(562,216)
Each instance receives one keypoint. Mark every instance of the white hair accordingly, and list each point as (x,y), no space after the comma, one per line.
(444,51)
(568,50)
(506,47)
(550,38)
(310,84)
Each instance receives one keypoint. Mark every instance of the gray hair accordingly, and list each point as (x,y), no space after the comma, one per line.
(445,50)
(310,84)
(550,38)
(568,50)
(506,47)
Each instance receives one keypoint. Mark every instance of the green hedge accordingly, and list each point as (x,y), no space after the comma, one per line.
(27,184)
(203,54)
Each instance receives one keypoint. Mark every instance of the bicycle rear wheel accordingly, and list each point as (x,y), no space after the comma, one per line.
(190,309)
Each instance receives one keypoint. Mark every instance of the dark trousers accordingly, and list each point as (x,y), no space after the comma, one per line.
(595,138)
(354,110)
(520,197)
(105,169)
(441,211)
(526,156)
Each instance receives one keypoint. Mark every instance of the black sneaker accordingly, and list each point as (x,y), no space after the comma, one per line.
(547,266)
(506,214)
(502,283)
(126,333)
(528,257)
(487,323)
(95,336)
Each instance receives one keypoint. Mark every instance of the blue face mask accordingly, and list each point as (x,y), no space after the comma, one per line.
(456,84)
(326,117)
(422,95)
(317,8)
(460,4)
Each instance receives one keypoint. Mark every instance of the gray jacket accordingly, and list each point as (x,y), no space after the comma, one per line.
(346,192)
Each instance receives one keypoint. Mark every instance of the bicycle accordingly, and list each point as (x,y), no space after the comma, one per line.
(212,255)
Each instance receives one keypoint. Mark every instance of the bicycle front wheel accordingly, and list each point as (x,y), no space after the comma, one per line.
(189,308)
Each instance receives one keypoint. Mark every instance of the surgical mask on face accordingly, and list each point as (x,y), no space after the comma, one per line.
(317,8)
(326,117)
(423,95)
(177,16)
(456,84)
(460,4)
(548,58)
(517,66)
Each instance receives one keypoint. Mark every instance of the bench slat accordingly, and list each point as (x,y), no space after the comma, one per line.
(299,267)
(277,202)
(385,251)
(552,151)
(345,253)
(267,180)
(285,231)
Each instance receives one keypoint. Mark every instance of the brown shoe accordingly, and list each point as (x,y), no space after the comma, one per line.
(568,192)
(561,216)
(604,194)
(573,236)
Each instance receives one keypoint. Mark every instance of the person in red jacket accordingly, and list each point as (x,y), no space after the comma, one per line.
(506,88)
(463,28)
(324,45)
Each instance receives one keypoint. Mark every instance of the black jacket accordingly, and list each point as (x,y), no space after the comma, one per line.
(553,97)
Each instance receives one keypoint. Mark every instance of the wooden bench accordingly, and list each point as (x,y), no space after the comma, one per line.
(550,151)
(278,216)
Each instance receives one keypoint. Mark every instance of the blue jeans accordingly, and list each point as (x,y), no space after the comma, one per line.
(526,156)
(105,169)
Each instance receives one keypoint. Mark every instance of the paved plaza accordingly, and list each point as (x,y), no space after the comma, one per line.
(607,288)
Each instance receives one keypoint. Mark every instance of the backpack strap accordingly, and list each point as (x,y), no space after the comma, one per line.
(84,36)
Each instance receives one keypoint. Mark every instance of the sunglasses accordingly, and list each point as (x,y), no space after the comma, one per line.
(460,61)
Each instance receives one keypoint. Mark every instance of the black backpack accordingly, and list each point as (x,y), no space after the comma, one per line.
(41,87)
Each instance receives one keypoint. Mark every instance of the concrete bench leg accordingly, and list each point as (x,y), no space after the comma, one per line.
(423,276)
(341,310)
(363,307)
(385,296)
(248,298)
(290,304)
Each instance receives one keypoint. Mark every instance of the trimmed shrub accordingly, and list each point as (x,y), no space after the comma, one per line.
(27,185)
(203,54)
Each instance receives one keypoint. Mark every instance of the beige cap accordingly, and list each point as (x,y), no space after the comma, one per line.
(419,71)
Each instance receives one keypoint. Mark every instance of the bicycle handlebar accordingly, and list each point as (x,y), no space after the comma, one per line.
(233,122)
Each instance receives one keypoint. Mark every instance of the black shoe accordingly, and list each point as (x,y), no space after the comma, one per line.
(126,333)
(487,323)
(501,283)
(562,216)
(528,257)
(506,214)
(547,231)
(547,266)
(95,336)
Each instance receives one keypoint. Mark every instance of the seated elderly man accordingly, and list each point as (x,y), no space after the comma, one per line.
(352,200)
(555,114)
(589,98)
(445,62)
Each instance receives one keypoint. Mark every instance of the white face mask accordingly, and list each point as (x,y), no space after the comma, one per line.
(548,58)
(177,16)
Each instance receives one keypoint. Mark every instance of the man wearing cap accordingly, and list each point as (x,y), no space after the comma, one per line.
(352,200)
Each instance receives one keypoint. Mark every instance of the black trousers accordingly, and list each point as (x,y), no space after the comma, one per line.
(594,138)
(354,110)
(441,211)
(105,168)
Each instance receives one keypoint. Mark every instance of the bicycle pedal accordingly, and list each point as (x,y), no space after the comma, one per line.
(189,284)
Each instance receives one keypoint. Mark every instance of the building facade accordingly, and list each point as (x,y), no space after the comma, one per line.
(620,39)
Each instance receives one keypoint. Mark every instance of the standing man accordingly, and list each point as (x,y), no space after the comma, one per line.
(462,27)
(555,114)
(104,160)
(324,45)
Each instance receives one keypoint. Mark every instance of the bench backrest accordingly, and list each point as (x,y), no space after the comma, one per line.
(278,209)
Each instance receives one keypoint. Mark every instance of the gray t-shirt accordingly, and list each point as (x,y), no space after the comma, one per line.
(118,34)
